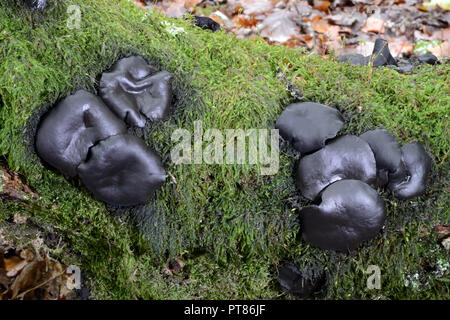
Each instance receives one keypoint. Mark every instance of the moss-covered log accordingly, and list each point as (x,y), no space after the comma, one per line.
(230,225)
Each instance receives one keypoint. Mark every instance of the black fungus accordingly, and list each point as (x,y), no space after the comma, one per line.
(206,23)
(355,59)
(410,181)
(77,123)
(307,126)
(387,152)
(350,212)
(428,58)
(135,91)
(302,284)
(347,157)
(381,56)
(122,170)
(36,4)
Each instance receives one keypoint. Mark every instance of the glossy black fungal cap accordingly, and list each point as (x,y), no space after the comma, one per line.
(68,131)
(381,56)
(428,58)
(302,284)
(411,181)
(135,92)
(355,59)
(122,170)
(387,152)
(36,4)
(350,212)
(206,23)
(347,157)
(307,126)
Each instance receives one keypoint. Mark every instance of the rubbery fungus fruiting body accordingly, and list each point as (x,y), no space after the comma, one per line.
(307,126)
(122,170)
(36,4)
(387,152)
(350,212)
(70,129)
(135,91)
(302,284)
(347,157)
(411,181)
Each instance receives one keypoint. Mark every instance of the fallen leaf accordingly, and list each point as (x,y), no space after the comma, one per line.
(441,50)
(245,21)
(321,5)
(374,24)
(279,26)
(190,4)
(399,48)
(442,231)
(256,7)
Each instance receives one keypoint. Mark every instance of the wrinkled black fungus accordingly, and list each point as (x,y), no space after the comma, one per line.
(428,58)
(122,170)
(206,23)
(381,56)
(355,59)
(135,92)
(410,181)
(387,152)
(347,157)
(68,131)
(350,212)
(301,284)
(307,126)
(36,4)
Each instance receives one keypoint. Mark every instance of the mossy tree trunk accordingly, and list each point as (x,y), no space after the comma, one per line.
(229,224)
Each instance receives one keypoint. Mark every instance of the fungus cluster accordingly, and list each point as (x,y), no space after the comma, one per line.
(86,136)
(339,172)
(381,56)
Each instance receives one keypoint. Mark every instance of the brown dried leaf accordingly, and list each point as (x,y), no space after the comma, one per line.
(399,48)
(442,231)
(374,24)
(190,4)
(279,26)
(28,278)
(321,5)
(441,50)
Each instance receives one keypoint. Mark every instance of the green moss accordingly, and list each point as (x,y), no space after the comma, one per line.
(230,225)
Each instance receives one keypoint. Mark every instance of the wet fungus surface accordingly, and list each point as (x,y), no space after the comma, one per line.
(71,128)
(411,180)
(307,126)
(84,136)
(302,284)
(122,170)
(350,212)
(135,91)
(347,157)
(387,152)
(36,4)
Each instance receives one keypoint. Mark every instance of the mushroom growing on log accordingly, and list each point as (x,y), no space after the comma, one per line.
(307,126)
(135,91)
(347,157)
(122,170)
(77,123)
(350,212)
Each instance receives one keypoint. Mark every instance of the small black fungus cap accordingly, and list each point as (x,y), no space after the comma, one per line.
(411,181)
(307,126)
(387,152)
(122,171)
(68,131)
(206,23)
(36,4)
(302,284)
(355,59)
(135,92)
(428,58)
(350,212)
(347,157)
(381,56)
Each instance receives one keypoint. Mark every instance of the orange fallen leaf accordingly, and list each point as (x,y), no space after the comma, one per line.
(374,24)
(319,25)
(399,48)
(441,50)
(321,5)
(12,262)
(189,4)
(245,21)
